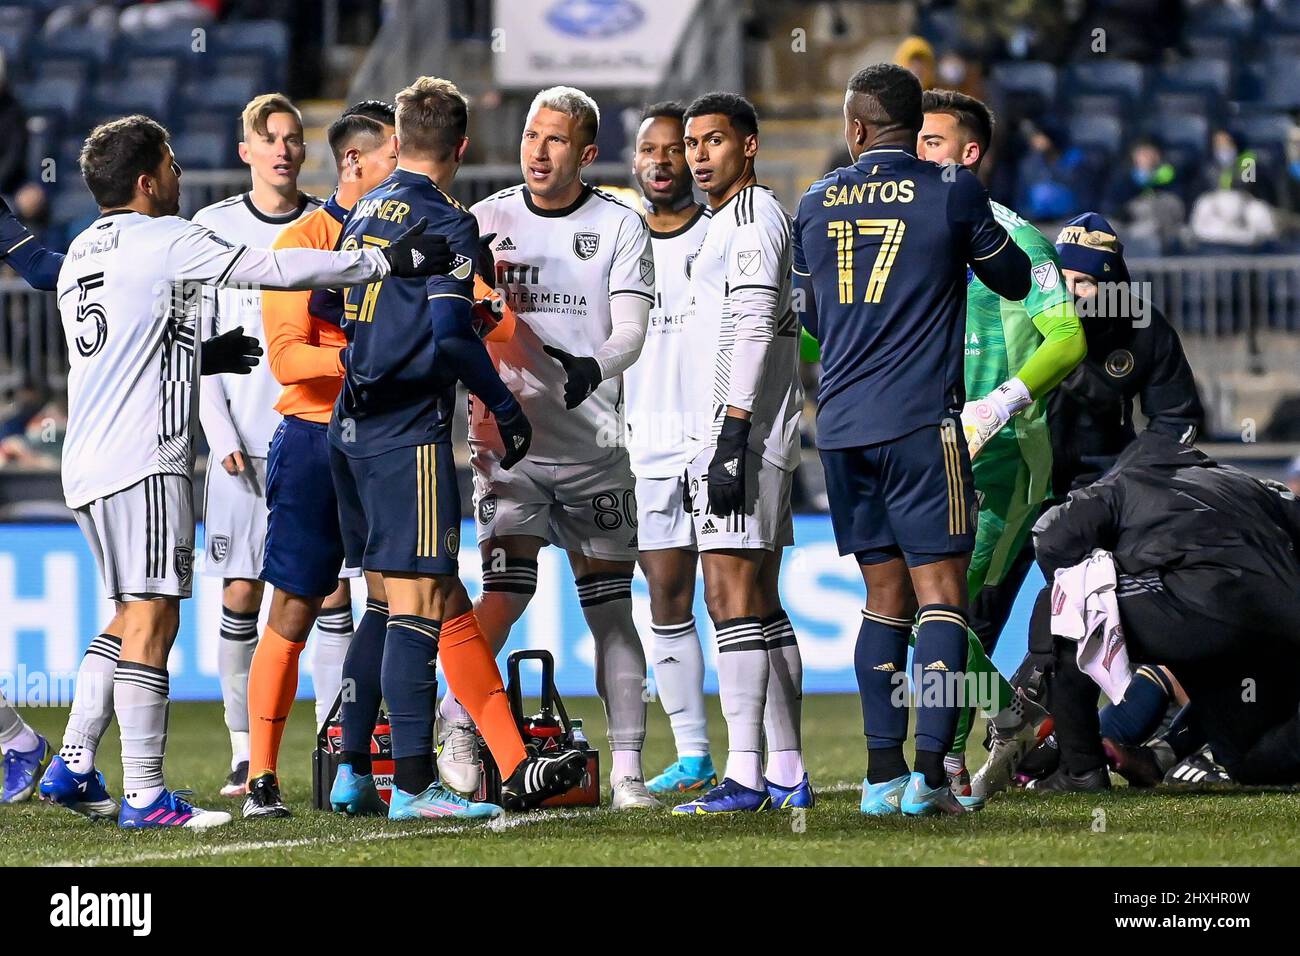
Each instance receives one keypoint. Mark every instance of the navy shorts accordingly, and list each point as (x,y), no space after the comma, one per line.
(304,549)
(911,497)
(400,510)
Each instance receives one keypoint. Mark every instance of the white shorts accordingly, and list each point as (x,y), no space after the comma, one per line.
(661,516)
(142,538)
(767,523)
(234,521)
(588,507)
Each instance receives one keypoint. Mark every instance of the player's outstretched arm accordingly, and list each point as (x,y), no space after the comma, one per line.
(38,266)
(1000,263)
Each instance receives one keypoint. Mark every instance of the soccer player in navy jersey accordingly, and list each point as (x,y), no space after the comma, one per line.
(881,249)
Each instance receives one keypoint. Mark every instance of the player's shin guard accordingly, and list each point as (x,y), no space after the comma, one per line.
(92,703)
(880,662)
(472,672)
(606,601)
(362,668)
(938,666)
(140,698)
(234,658)
(333,637)
(272,685)
(782,714)
(742,685)
(679,680)
(409,680)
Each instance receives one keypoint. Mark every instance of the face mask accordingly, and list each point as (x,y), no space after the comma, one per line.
(1225,157)
(1142,176)
(1294,167)
(952,72)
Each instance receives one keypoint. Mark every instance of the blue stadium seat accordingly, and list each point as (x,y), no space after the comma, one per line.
(1210,75)
(81,42)
(17,24)
(1108,76)
(170,42)
(1103,134)
(1282,85)
(61,97)
(253,66)
(1187,133)
(153,97)
(62,68)
(1213,47)
(1184,103)
(165,68)
(269,37)
(1280,46)
(1263,130)
(73,205)
(1098,104)
(221,93)
(1219,19)
(203,151)
(1027,81)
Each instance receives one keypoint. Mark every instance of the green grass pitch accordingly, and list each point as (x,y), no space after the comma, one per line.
(1125,827)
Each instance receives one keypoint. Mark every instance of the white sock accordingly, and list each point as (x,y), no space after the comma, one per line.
(679,678)
(785,767)
(742,685)
(92,703)
(140,701)
(954,764)
(606,601)
(783,709)
(14,732)
(627,763)
(238,748)
(234,658)
(334,635)
(452,711)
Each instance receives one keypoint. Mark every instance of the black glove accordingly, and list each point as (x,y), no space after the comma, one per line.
(583,372)
(326,305)
(486,266)
(415,254)
(727,469)
(11,229)
(231,351)
(516,435)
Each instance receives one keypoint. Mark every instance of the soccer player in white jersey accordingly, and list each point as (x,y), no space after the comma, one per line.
(128,294)
(656,441)
(742,418)
(575,265)
(239,419)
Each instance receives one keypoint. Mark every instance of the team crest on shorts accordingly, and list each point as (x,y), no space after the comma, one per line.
(1119,363)
(183,562)
(585,244)
(451,542)
(219,547)
(487,509)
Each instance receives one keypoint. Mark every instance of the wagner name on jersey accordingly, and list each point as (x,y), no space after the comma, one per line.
(238,411)
(656,385)
(129,300)
(747,246)
(559,269)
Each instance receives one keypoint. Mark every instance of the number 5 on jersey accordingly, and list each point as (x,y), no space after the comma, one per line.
(843,231)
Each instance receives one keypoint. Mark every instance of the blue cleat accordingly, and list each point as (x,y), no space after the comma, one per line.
(83,793)
(355,794)
(687,774)
(883,799)
(921,800)
(436,801)
(170,809)
(790,798)
(23,769)
(727,797)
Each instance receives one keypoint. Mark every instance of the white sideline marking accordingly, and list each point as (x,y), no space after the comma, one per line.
(200,852)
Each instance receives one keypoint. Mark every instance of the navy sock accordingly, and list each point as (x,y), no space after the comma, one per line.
(938,663)
(880,660)
(361,685)
(1135,718)
(411,690)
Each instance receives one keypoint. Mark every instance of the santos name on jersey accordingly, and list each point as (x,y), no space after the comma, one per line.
(129,301)
(656,385)
(559,269)
(747,246)
(238,411)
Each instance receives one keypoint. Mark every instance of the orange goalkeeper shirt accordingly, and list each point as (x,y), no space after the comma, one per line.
(305,353)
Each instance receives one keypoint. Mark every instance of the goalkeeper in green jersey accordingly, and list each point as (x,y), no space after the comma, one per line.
(1016,352)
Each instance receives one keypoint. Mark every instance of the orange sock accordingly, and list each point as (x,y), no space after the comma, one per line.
(272,684)
(474,678)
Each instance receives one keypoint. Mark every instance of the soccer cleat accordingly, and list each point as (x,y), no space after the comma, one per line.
(959,783)
(1062,781)
(436,802)
(236,784)
(355,794)
(685,775)
(630,793)
(170,809)
(458,764)
(1008,750)
(23,769)
(538,778)
(1137,765)
(263,799)
(921,800)
(883,799)
(791,798)
(83,793)
(727,797)
(1198,770)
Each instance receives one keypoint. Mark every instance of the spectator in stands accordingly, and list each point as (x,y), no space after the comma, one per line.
(141,16)
(916,54)
(1229,219)
(32,206)
(13,145)
(1053,176)
(1147,171)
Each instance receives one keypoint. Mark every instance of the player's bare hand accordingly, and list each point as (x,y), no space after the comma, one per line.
(234,463)
(583,375)
(416,253)
(231,351)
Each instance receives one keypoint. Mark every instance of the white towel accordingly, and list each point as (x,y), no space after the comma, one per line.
(1085,610)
